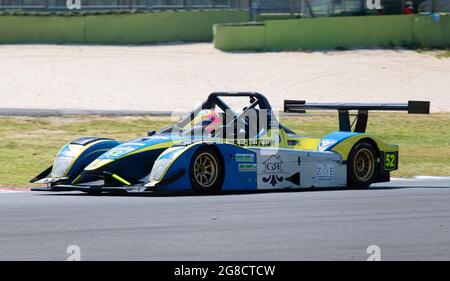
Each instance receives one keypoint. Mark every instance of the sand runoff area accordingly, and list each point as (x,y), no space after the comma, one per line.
(176,77)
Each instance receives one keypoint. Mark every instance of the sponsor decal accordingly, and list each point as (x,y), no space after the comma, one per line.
(325,172)
(247,167)
(295,178)
(245,158)
(118,152)
(250,142)
(238,142)
(325,143)
(390,161)
(272,170)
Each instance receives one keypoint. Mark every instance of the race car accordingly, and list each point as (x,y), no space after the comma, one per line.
(218,148)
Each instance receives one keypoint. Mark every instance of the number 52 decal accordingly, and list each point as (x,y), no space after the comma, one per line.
(390,161)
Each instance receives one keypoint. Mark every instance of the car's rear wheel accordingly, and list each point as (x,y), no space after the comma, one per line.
(361,166)
(206,170)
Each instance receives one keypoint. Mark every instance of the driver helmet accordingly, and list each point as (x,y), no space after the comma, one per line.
(208,119)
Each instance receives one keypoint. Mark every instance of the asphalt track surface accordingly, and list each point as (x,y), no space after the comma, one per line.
(407,219)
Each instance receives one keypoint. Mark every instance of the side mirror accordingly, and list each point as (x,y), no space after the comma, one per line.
(151,133)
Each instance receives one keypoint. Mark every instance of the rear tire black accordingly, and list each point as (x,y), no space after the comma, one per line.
(362,166)
(206,170)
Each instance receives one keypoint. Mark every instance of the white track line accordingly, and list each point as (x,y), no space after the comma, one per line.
(428,178)
(12,190)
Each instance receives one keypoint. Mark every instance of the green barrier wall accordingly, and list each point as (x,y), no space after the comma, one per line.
(246,37)
(277,16)
(40,29)
(168,26)
(339,32)
(343,32)
(429,33)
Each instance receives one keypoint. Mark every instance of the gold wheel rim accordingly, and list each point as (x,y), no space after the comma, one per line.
(364,165)
(205,170)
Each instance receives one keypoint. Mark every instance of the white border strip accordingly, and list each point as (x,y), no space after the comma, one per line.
(421,178)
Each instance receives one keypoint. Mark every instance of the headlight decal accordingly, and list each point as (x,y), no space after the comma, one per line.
(159,168)
(163,162)
(60,166)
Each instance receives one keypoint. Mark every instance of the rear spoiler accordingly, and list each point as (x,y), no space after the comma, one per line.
(412,107)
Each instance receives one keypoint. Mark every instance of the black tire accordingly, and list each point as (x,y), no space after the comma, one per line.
(206,170)
(362,166)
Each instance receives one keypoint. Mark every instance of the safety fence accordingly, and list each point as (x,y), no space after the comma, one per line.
(258,8)
(66,5)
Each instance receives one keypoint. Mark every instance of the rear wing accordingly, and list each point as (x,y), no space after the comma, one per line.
(412,107)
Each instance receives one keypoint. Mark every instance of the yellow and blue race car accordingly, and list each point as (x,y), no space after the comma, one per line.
(217,147)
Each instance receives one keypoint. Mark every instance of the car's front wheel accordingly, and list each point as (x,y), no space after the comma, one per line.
(206,170)
(361,166)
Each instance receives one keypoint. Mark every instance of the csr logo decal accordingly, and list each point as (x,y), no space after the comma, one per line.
(374,4)
(273,168)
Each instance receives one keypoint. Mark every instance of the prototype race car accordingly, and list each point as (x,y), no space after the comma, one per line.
(215,148)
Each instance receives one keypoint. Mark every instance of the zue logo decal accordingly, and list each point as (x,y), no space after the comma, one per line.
(325,172)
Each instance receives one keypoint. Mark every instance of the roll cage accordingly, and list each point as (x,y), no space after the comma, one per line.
(257,102)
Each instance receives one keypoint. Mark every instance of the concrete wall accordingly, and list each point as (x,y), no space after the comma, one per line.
(338,32)
(133,28)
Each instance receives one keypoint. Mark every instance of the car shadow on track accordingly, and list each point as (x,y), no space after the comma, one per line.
(233,192)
